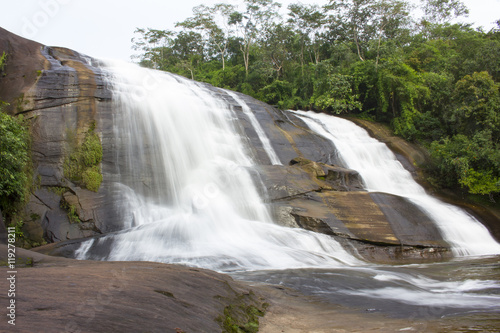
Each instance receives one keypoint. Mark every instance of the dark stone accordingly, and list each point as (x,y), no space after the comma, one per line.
(409,223)
(101,296)
(22,69)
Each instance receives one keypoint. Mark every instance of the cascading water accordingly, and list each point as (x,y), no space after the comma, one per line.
(382,172)
(187,196)
(273,157)
(186,184)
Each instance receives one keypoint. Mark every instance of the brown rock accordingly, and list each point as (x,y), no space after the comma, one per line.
(87,296)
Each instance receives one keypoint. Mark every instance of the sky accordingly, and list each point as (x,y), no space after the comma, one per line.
(104,28)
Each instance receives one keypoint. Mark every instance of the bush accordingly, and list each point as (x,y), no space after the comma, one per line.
(92,178)
(82,164)
(14,161)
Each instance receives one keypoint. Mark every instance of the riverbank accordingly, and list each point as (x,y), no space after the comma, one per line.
(67,295)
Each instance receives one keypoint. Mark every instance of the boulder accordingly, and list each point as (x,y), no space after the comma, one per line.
(86,296)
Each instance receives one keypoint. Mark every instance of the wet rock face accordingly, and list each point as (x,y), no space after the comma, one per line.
(65,95)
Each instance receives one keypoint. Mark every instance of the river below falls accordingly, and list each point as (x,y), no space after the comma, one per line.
(458,287)
(182,173)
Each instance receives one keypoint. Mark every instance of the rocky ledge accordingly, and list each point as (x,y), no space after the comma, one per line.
(87,296)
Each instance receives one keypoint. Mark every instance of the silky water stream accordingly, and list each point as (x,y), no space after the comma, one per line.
(187,197)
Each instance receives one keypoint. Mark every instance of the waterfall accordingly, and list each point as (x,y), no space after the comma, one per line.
(184,175)
(273,157)
(382,172)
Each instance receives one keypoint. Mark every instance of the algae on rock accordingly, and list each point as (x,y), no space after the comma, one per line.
(82,164)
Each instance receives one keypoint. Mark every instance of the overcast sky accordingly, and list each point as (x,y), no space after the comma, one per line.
(104,28)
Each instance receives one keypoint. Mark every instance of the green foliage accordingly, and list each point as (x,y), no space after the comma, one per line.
(92,178)
(72,214)
(3,60)
(91,150)
(278,93)
(58,190)
(335,94)
(435,82)
(477,104)
(473,162)
(18,229)
(480,183)
(82,164)
(14,162)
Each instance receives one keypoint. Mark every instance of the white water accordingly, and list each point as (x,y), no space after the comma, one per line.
(184,176)
(382,172)
(273,157)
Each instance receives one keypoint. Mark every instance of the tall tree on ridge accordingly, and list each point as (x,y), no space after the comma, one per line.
(252,24)
(352,19)
(205,21)
(308,21)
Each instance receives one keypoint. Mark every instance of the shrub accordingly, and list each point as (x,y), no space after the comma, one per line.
(82,164)
(14,161)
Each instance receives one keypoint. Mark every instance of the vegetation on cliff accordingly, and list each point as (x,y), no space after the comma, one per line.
(82,165)
(14,159)
(435,82)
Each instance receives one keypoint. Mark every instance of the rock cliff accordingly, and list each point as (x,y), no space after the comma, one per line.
(66,97)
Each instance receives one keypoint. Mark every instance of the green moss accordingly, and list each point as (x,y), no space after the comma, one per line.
(58,190)
(72,215)
(91,150)
(242,315)
(241,318)
(3,60)
(82,164)
(20,262)
(18,226)
(92,178)
(20,103)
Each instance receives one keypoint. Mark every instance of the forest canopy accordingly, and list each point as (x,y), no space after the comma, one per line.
(434,81)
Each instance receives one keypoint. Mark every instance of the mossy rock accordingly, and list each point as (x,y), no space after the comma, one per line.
(242,314)
(92,178)
(82,164)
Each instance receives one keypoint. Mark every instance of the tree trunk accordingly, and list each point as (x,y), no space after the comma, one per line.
(357,45)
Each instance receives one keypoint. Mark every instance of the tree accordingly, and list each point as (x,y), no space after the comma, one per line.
(276,47)
(339,97)
(352,19)
(471,162)
(253,23)
(205,21)
(308,21)
(390,19)
(401,89)
(14,158)
(477,107)
(153,43)
(440,11)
